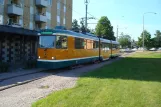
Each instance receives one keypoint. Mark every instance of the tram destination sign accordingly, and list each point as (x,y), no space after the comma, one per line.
(46,33)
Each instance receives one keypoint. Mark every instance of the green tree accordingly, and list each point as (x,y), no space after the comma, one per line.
(83,29)
(157,39)
(153,42)
(92,31)
(75,25)
(82,26)
(105,29)
(125,41)
(147,39)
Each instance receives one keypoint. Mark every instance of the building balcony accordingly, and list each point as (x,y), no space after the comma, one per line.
(14,9)
(40,18)
(42,3)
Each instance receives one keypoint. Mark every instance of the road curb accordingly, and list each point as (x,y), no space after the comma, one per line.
(20,75)
(21,83)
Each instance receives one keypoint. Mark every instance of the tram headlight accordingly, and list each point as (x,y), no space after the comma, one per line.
(39,57)
(53,57)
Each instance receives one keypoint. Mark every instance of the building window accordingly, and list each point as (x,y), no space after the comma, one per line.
(31,17)
(31,10)
(31,2)
(50,2)
(1,9)
(58,23)
(21,22)
(47,27)
(64,22)
(38,26)
(58,19)
(80,43)
(61,42)
(64,9)
(1,20)
(48,15)
(58,12)
(65,2)
(58,4)
(31,25)
(2,2)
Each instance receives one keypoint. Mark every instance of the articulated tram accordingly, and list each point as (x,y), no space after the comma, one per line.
(63,48)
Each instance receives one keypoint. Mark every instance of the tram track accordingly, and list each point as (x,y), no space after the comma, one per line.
(29,80)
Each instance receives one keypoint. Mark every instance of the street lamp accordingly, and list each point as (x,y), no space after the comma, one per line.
(118,31)
(143,25)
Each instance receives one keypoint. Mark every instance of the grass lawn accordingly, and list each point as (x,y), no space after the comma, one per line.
(131,82)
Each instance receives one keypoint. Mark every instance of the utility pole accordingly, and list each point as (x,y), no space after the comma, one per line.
(143,32)
(131,42)
(86,3)
(117,33)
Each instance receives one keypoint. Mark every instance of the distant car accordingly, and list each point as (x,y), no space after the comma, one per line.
(141,49)
(134,49)
(159,49)
(152,49)
(127,49)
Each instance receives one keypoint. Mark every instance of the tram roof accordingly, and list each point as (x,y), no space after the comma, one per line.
(115,42)
(105,40)
(75,34)
(69,33)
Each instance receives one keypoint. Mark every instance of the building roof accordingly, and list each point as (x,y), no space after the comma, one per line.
(15,30)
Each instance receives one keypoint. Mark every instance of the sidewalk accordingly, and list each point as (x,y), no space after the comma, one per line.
(18,72)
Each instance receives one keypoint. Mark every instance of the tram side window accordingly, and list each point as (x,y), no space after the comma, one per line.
(114,46)
(95,45)
(80,43)
(61,42)
(117,46)
(90,44)
(103,45)
(107,46)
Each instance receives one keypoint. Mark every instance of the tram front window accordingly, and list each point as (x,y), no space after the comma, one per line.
(47,41)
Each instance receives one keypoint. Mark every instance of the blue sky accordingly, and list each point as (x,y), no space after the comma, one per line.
(124,13)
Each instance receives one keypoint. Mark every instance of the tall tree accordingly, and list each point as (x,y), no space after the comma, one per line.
(75,25)
(82,26)
(105,29)
(125,41)
(147,39)
(83,29)
(157,38)
(92,31)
